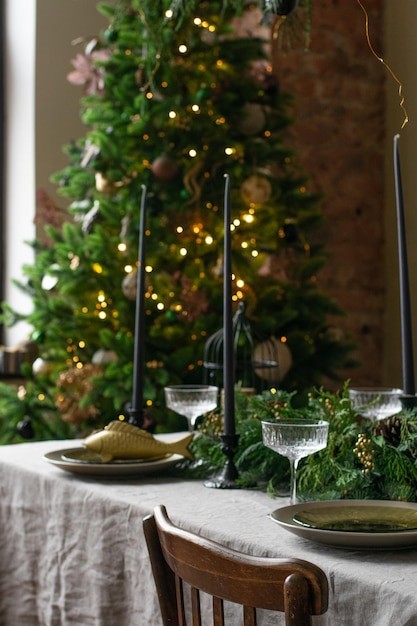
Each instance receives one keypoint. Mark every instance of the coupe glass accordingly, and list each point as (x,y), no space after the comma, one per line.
(295,438)
(376,403)
(191,400)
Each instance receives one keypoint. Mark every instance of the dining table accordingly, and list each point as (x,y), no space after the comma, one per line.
(73,553)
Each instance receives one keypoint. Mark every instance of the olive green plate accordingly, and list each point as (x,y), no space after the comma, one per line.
(75,460)
(365,524)
(83,455)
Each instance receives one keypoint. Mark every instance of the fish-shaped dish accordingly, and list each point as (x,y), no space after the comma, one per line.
(162,452)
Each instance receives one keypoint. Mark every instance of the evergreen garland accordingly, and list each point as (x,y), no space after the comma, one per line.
(363,459)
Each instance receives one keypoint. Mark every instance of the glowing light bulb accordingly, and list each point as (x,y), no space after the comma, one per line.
(229,151)
(240,283)
(148,269)
(248,218)
(97,268)
(172,115)
(254,253)
(128,269)
(160,306)
(182,48)
(180,229)
(169,13)
(192,153)
(195,108)
(122,247)
(209,240)
(197,21)
(183,252)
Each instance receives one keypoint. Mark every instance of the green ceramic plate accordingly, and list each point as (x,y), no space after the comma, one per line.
(368,519)
(83,455)
(352,524)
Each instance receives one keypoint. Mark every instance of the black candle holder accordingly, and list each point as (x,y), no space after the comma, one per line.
(227,479)
(136,417)
(408,401)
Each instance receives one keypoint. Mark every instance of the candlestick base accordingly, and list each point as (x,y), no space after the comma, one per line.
(136,417)
(408,401)
(227,479)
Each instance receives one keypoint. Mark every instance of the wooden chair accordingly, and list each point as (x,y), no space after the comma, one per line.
(295,587)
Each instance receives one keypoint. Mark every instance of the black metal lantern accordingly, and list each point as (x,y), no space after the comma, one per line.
(255,358)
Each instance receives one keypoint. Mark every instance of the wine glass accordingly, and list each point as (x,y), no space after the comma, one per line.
(191,400)
(376,403)
(295,438)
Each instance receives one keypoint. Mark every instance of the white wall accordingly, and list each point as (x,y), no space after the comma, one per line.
(59,25)
(20,146)
(401,54)
(42,116)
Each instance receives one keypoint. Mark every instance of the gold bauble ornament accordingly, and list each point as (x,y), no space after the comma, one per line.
(41,367)
(256,189)
(104,185)
(282,354)
(104,357)
(130,285)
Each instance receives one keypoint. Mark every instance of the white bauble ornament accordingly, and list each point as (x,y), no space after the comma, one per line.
(49,281)
(256,189)
(41,367)
(280,352)
(129,285)
(103,357)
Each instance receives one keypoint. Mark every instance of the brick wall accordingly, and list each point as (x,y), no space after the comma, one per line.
(338,135)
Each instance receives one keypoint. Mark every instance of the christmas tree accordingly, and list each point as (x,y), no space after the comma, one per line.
(173,103)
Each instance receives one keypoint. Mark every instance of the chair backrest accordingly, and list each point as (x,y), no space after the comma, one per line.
(295,587)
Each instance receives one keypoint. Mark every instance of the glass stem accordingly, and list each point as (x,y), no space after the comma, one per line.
(293,468)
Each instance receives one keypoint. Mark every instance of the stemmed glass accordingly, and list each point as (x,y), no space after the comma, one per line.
(191,400)
(295,438)
(376,403)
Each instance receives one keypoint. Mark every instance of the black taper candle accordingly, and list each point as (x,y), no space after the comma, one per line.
(136,408)
(405,306)
(228,356)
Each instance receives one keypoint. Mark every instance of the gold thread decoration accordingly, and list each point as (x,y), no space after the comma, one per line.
(394,76)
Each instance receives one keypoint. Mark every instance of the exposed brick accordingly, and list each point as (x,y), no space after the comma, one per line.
(338,135)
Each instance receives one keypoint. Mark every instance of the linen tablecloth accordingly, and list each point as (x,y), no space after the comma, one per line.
(72,551)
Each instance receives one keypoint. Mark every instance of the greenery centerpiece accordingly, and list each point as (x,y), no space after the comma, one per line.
(363,459)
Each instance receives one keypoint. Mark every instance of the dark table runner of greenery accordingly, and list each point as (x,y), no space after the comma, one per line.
(363,459)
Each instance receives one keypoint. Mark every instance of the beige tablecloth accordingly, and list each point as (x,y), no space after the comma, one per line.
(72,551)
